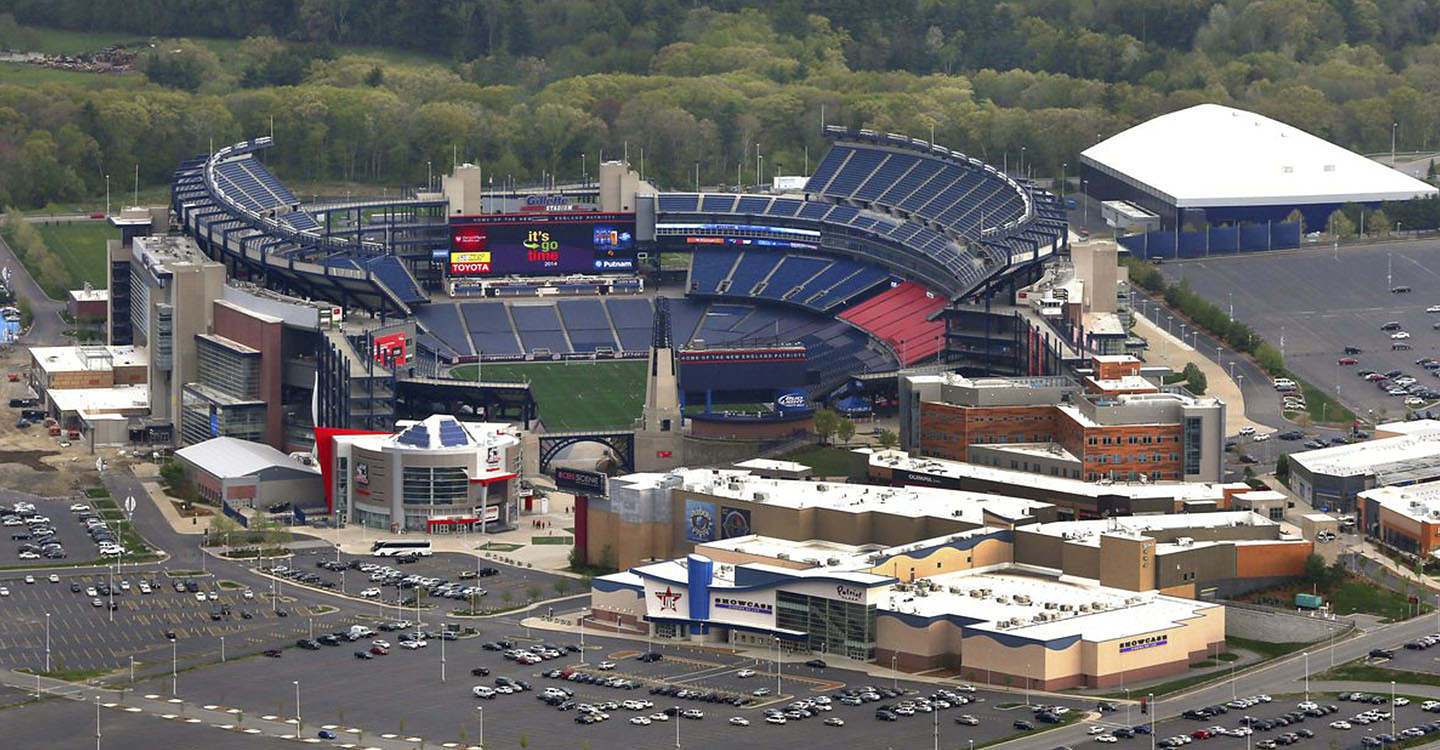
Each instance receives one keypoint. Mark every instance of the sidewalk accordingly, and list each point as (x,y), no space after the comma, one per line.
(1170,351)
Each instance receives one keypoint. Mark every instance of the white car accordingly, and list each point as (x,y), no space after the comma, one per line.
(1095,729)
(78,507)
(53,578)
(199,596)
(212,596)
(1107,738)
(1402,701)
(29,555)
(605,666)
(1261,437)
(1433,309)
(124,585)
(640,721)
(91,592)
(248,594)
(412,645)
(4,591)
(771,719)
(1340,725)
(658,716)
(1399,335)
(370,592)
(745,673)
(380,642)
(29,579)
(481,691)
(144,587)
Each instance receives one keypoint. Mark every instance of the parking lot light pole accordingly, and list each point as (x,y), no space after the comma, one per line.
(1307,675)
(132,670)
(298,724)
(677,725)
(222,649)
(481,709)
(1127,707)
(1392,708)
(777,667)
(936,716)
(47,642)
(97,722)
(442,651)
(1150,703)
(582,640)
(173,691)
(894,676)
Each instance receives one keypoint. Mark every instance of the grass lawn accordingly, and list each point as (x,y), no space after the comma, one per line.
(22,74)
(1322,408)
(80,246)
(827,461)
(576,396)
(1359,670)
(552,540)
(1354,595)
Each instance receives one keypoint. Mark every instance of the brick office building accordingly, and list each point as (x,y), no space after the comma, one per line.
(1114,425)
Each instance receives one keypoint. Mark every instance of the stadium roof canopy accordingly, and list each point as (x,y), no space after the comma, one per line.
(1210,156)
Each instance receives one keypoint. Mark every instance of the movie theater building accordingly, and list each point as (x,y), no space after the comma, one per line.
(438,475)
(699,600)
(996,624)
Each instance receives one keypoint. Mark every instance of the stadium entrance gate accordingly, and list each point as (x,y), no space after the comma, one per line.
(622,444)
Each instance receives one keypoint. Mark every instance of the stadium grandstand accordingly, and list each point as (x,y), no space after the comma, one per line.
(861,266)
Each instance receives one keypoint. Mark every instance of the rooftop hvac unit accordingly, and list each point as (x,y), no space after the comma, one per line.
(977,593)
(813,561)
(1067,607)
(1050,605)
(832,561)
(955,590)
(1022,599)
(821,487)
(1084,607)
(761,496)
(1185,541)
(1002,599)
(782,555)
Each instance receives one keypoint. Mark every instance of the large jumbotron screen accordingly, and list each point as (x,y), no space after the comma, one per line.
(541,244)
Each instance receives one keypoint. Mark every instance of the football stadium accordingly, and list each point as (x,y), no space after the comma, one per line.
(792,298)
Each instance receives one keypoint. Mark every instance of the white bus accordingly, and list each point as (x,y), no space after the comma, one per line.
(397,548)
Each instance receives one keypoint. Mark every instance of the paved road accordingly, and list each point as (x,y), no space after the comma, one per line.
(49,327)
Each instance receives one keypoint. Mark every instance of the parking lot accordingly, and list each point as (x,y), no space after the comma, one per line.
(511,587)
(1324,734)
(402,693)
(1320,301)
(84,637)
(69,533)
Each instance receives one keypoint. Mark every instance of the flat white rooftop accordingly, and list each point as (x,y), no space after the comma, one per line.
(1419,442)
(970,507)
(93,400)
(1033,450)
(1133,383)
(54,359)
(816,552)
(895,459)
(1088,532)
(90,295)
(771,464)
(1417,502)
(1041,608)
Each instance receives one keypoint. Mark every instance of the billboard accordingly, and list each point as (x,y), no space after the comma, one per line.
(592,482)
(699,521)
(742,368)
(390,350)
(734,522)
(538,244)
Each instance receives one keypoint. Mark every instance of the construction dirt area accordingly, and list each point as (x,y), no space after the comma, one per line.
(31,459)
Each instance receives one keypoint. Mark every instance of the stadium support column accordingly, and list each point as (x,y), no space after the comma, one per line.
(659,444)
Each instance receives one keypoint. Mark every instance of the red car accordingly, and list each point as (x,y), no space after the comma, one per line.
(1201,734)
(98,215)
(1348,361)
(379,650)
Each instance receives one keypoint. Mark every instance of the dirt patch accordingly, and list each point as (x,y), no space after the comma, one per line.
(30,459)
(190,510)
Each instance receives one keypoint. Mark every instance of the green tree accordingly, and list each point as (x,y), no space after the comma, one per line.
(375,78)
(827,423)
(561,586)
(888,439)
(1378,223)
(1268,357)
(1282,469)
(179,64)
(1315,570)
(1194,378)
(1340,225)
(532,592)
(845,429)
(1296,217)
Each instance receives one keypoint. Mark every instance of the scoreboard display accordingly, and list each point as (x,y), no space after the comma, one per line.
(540,244)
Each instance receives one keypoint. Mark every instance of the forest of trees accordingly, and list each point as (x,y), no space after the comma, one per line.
(370,90)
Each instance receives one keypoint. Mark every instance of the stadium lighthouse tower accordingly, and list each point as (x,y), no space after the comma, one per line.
(658,441)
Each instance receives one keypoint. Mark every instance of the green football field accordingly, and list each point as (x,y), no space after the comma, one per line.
(576,395)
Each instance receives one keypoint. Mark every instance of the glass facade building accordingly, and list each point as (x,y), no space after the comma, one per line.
(834,627)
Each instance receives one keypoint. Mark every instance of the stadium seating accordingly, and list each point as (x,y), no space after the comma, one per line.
(709,268)
(633,319)
(817,283)
(754,265)
(792,271)
(587,324)
(444,323)
(899,317)
(247,181)
(489,326)
(539,328)
(393,273)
